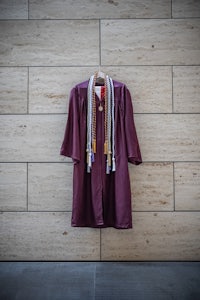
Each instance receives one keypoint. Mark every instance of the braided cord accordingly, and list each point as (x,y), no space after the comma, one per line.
(94,121)
(89,124)
(109,152)
(113,125)
(109,142)
(105,119)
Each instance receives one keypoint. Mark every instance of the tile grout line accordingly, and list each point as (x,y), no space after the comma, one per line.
(66,113)
(104,19)
(100,245)
(71,163)
(171,9)
(95,65)
(27,90)
(44,162)
(99,42)
(174,188)
(172,78)
(28,10)
(69,211)
(27,191)
(99,68)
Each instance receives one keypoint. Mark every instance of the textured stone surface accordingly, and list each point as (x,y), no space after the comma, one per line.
(186,89)
(13,187)
(86,9)
(13,96)
(150,42)
(150,86)
(14,9)
(47,43)
(168,137)
(46,236)
(187,186)
(185,8)
(50,186)
(31,138)
(155,236)
(50,87)
(152,186)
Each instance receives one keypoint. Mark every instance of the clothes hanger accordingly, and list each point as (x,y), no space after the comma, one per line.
(100,76)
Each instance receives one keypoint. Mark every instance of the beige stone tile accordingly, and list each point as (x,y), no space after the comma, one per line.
(13,88)
(185,8)
(46,236)
(49,43)
(86,9)
(152,186)
(50,186)
(169,137)
(31,138)
(186,89)
(13,190)
(49,87)
(155,236)
(150,87)
(187,186)
(150,42)
(14,9)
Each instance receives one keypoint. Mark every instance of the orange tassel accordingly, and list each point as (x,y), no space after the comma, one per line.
(109,160)
(106,147)
(94,147)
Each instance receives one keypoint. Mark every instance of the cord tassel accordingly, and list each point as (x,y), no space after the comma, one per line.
(113,165)
(92,157)
(106,147)
(109,159)
(90,160)
(87,158)
(107,168)
(94,146)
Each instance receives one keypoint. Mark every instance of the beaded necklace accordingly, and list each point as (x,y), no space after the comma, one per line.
(109,143)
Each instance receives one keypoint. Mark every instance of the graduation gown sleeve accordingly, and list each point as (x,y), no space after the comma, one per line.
(71,143)
(132,144)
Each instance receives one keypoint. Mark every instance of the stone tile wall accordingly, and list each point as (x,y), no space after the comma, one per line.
(46,47)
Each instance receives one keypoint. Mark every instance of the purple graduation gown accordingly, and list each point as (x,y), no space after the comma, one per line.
(100,199)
